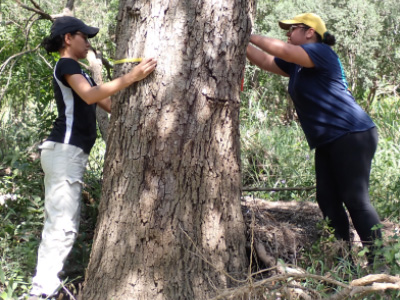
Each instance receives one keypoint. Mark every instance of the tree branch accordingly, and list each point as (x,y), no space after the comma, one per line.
(4,64)
(4,88)
(37,10)
(45,61)
(108,67)
(7,61)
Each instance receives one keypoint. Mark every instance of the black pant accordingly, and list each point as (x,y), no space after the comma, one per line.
(342,170)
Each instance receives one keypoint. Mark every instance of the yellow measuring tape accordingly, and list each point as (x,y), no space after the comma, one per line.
(127,60)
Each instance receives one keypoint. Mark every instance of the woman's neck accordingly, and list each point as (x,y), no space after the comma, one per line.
(64,53)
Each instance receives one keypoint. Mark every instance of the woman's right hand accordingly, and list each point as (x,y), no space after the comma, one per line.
(143,69)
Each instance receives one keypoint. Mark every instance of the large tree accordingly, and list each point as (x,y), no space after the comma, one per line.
(170,224)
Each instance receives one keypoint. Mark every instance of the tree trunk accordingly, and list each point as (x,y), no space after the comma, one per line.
(170,224)
(101,115)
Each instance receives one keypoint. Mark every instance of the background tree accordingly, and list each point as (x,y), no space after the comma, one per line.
(170,223)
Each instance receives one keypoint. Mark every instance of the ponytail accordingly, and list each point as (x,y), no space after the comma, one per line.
(53,44)
(329,39)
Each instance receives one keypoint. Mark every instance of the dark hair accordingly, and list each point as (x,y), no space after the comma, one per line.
(328,39)
(54,44)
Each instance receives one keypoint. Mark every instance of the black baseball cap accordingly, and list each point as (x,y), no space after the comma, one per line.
(66,24)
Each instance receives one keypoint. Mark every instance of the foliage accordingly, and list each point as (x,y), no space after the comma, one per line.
(334,259)
(366,33)
(21,207)
(385,182)
(274,155)
(274,151)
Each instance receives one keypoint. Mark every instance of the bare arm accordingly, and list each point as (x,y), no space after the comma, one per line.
(288,52)
(264,60)
(100,93)
(105,104)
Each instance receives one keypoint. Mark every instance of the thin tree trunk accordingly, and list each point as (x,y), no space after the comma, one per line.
(170,224)
(101,115)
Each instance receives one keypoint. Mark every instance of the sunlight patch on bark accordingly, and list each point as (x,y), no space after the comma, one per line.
(167,122)
(214,232)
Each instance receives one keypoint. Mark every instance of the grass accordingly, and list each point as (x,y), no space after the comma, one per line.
(385,180)
(275,154)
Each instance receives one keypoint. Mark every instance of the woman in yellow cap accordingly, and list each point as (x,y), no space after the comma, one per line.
(343,135)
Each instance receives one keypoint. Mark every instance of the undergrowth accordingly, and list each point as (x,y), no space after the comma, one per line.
(22,202)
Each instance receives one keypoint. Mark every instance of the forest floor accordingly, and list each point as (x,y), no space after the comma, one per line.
(281,231)
(290,237)
(284,229)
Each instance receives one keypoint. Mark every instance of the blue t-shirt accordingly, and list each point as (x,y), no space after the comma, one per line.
(324,105)
(76,121)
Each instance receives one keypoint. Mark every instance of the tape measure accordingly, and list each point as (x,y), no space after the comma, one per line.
(127,60)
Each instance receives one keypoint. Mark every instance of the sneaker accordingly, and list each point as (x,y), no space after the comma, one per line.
(41,293)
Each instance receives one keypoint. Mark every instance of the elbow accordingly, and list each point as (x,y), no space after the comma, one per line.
(88,99)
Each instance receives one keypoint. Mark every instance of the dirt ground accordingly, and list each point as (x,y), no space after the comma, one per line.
(283,229)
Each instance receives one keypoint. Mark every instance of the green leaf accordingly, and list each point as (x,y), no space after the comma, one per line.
(2,277)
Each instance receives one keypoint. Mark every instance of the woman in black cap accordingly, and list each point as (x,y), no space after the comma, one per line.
(343,135)
(65,152)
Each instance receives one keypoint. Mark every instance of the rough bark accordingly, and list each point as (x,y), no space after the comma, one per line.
(170,224)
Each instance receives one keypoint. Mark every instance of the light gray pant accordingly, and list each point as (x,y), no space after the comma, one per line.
(64,166)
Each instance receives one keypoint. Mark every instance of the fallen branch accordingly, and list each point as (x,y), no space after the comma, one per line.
(367,285)
(375,278)
(357,288)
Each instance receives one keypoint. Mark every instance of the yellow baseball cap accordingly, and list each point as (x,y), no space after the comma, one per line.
(309,19)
